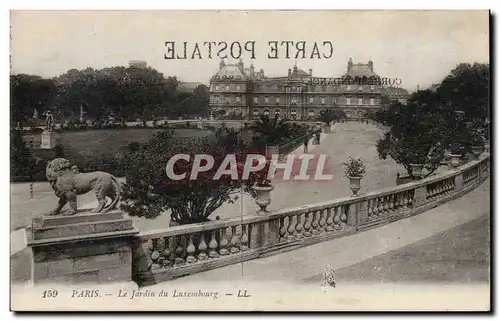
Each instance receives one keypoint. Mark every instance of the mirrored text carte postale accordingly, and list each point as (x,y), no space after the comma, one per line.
(250,160)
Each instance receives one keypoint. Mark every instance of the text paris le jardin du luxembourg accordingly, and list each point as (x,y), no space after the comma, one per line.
(286,49)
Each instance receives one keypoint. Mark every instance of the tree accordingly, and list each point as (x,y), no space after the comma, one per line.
(328,115)
(416,132)
(467,89)
(29,93)
(149,192)
(271,131)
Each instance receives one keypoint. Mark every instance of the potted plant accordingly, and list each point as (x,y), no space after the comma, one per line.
(418,160)
(354,170)
(477,144)
(455,154)
(261,192)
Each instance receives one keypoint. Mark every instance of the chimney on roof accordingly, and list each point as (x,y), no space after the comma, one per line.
(310,72)
(222,64)
(289,72)
(370,64)
(252,70)
(241,66)
(349,65)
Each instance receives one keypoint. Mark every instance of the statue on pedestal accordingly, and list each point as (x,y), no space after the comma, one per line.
(50,124)
(67,182)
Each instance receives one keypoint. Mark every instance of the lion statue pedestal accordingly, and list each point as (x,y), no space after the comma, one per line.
(81,246)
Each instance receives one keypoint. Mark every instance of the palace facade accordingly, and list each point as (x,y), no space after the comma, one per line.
(236,90)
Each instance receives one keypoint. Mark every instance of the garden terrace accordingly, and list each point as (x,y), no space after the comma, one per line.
(164,254)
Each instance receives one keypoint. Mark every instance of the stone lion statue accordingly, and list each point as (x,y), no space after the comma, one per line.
(67,182)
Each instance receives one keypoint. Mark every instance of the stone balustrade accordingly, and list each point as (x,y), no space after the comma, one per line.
(164,254)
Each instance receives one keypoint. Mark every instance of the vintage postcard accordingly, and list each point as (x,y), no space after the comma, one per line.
(250,161)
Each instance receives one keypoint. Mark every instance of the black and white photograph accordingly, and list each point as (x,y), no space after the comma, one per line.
(258,160)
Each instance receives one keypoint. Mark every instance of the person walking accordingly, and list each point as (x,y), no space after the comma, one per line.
(306,143)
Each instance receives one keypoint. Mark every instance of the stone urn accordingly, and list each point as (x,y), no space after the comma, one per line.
(416,169)
(355,183)
(272,150)
(263,197)
(455,160)
(476,151)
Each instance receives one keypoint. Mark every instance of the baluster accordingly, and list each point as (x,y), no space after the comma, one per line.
(213,246)
(322,220)
(343,216)
(202,248)
(336,218)
(298,226)
(291,228)
(370,208)
(397,200)
(381,206)
(314,223)
(329,219)
(307,225)
(390,203)
(155,254)
(282,229)
(167,253)
(374,208)
(244,238)
(223,242)
(179,250)
(405,199)
(385,202)
(190,250)
(234,241)
(410,197)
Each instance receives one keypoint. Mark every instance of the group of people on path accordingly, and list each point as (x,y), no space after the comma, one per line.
(316,134)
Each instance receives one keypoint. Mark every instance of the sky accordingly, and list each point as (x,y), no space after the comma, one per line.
(418,47)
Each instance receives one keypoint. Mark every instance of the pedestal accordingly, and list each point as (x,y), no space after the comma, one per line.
(82,248)
(48,140)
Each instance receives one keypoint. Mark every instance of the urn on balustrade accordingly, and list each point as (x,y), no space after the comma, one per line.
(455,160)
(355,184)
(263,196)
(477,151)
(416,170)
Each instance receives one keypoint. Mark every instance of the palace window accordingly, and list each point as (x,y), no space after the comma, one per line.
(277,112)
(311,113)
(348,87)
(372,101)
(266,112)
(255,112)
(277,100)
(372,87)
(311,100)
(360,101)
(334,101)
(256,100)
(238,99)
(237,87)
(348,101)
(322,100)
(227,87)
(294,100)
(360,88)
(266,99)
